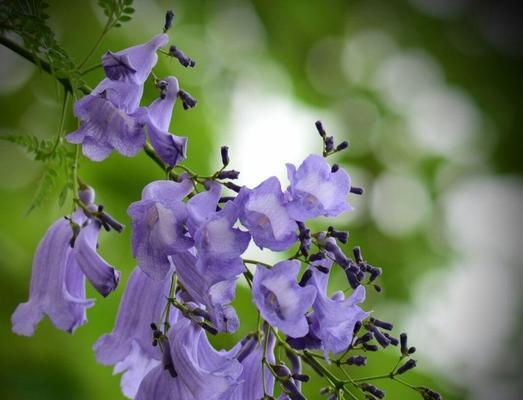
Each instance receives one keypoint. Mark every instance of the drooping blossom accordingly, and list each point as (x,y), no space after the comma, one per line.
(333,318)
(264,213)
(129,346)
(279,298)
(158,226)
(315,190)
(58,277)
(202,372)
(211,284)
(109,117)
(102,276)
(170,148)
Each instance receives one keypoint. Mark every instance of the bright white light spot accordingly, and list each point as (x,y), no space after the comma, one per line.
(399,204)
(404,75)
(444,121)
(363,52)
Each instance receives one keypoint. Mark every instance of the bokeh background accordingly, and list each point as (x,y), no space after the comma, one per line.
(429,94)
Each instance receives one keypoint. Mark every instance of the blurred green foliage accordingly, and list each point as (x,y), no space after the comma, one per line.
(55,365)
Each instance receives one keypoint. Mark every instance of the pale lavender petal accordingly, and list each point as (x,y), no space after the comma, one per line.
(209,374)
(203,206)
(158,226)
(134,368)
(143,303)
(160,385)
(315,190)
(102,275)
(54,274)
(279,298)
(264,213)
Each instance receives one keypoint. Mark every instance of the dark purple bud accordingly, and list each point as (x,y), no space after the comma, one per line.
(225,155)
(429,394)
(375,272)
(352,279)
(246,349)
(209,328)
(317,257)
(380,394)
(319,127)
(380,337)
(201,313)
(357,190)
(382,324)
(234,187)
(295,362)
(377,288)
(370,347)
(154,327)
(357,327)
(169,16)
(403,340)
(363,339)
(410,364)
(167,361)
(393,341)
(411,350)
(155,342)
(307,275)
(335,168)
(322,269)
(341,259)
(281,370)
(301,377)
(358,361)
(292,390)
(329,144)
(181,57)
(187,99)
(342,146)
(230,174)
(357,254)
(106,219)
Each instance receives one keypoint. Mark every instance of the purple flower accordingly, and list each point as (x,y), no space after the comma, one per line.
(279,298)
(264,213)
(171,149)
(213,232)
(250,356)
(134,63)
(158,226)
(315,190)
(102,276)
(109,116)
(57,284)
(334,317)
(211,284)
(201,371)
(128,346)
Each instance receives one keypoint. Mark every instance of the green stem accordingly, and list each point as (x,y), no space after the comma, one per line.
(92,68)
(373,378)
(172,289)
(62,122)
(106,29)
(255,262)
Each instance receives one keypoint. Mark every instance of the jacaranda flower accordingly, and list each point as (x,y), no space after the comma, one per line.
(109,116)
(315,190)
(128,346)
(158,226)
(171,149)
(264,213)
(279,298)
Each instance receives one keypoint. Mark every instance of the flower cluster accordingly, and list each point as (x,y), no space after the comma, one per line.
(189,234)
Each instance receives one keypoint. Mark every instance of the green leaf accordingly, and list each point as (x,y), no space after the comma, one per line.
(124,18)
(46,184)
(128,10)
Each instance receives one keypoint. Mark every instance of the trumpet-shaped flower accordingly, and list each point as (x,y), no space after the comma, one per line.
(279,298)
(315,190)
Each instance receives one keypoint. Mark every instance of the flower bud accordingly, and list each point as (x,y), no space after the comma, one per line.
(410,364)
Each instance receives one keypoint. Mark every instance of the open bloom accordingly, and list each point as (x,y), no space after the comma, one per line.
(58,277)
(170,148)
(158,226)
(333,318)
(128,346)
(109,116)
(202,372)
(279,298)
(315,190)
(264,213)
